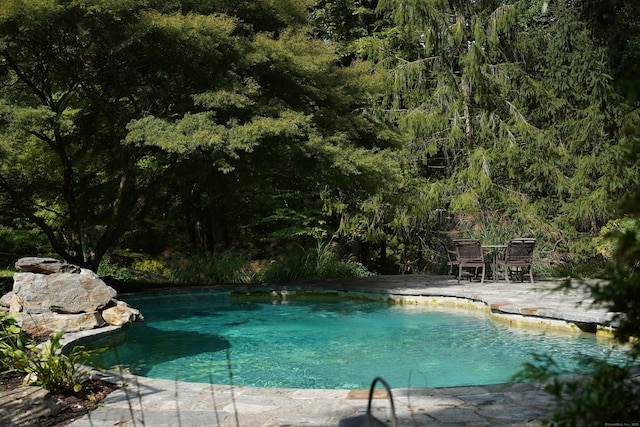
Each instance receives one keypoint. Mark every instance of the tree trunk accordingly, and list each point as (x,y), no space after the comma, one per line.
(219,228)
(196,226)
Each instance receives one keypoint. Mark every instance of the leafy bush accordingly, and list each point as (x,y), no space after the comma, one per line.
(126,266)
(604,243)
(110,268)
(22,238)
(44,365)
(223,268)
(606,395)
(320,262)
(621,294)
(55,371)
(610,394)
(11,337)
(151,266)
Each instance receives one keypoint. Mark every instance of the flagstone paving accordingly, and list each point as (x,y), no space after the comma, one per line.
(163,403)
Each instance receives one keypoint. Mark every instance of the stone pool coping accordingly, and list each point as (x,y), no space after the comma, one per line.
(153,402)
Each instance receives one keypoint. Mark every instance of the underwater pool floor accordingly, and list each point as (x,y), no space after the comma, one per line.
(154,402)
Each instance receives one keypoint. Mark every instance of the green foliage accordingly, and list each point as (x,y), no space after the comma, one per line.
(510,115)
(609,393)
(56,115)
(151,266)
(22,239)
(271,147)
(383,121)
(54,370)
(11,337)
(606,395)
(605,241)
(44,365)
(621,293)
(138,268)
(215,269)
(321,262)
(110,268)
(344,22)
(113,131)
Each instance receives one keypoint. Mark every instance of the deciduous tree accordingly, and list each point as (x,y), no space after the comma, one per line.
(229,116)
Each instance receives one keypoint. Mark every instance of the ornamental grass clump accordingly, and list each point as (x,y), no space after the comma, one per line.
(222,268)
(321,262)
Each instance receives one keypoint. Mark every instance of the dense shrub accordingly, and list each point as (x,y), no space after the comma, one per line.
(320,262)
(223,268)
(605,396)
(609,394)
(11,337)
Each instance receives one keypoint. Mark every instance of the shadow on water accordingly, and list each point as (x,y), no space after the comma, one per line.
(147,346)
(183,306)
(205,304)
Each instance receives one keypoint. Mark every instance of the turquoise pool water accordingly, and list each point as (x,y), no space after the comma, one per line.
(331,343)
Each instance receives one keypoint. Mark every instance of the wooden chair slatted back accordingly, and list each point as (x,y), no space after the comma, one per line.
(469,250)
(520,250)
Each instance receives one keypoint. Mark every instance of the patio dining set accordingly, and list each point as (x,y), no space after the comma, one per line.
(473,260)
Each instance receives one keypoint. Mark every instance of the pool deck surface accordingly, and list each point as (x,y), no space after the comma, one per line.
(164,403)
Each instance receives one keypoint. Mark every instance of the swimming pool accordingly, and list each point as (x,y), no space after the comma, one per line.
(331,342)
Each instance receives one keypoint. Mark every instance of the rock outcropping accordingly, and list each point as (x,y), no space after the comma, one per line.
(50,295)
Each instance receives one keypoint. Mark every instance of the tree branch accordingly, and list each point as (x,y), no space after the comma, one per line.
(26,209)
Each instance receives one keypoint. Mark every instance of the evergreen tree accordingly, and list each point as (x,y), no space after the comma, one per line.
(510,115)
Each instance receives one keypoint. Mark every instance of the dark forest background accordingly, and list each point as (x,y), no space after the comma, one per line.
(242,141)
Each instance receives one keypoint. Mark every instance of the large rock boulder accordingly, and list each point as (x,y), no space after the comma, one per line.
(31,292)
(61,292)
(121,314)
(78,293)
(50,295)
(45,266)
(44,324)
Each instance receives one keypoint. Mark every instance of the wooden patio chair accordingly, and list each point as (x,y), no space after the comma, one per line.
(452,261)
(471,262)
(518,259)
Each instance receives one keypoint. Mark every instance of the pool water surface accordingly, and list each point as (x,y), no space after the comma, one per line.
(331,342)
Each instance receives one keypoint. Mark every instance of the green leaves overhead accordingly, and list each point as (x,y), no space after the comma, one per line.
(199,132)
(204,31)
(386,121)
(184,136)
(209,106)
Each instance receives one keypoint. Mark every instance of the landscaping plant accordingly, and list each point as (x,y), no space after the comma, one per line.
(321,262)
(45,364)
(605,395)
(11,338)
(224,268)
